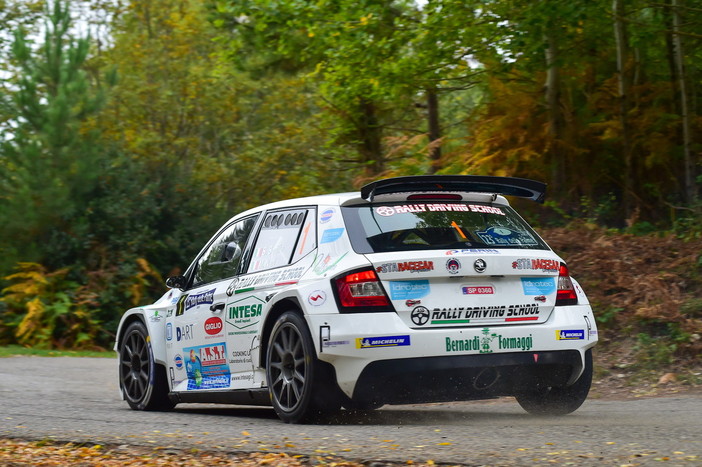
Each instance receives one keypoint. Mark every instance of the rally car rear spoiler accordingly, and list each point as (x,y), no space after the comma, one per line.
(510,186)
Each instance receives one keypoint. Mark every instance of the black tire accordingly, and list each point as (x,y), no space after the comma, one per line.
(142,381)
(302,388)
(559,400)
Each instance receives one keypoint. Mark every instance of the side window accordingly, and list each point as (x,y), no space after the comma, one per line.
(280,233)
(221,260)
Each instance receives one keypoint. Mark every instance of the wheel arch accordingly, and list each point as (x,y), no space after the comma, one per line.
(280,307)
(155,329)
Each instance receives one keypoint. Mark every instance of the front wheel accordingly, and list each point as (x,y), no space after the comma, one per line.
(302,388)
(559,400)
(142,381)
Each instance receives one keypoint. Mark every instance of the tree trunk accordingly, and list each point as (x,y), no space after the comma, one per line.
(434,130)
(623,89)
(552,90)
(688,164)
(371,147)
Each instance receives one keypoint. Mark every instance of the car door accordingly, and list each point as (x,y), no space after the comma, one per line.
(279,256)
(196,330)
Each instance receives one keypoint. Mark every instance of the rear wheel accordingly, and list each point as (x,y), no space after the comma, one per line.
(559,400)
(302,388)
(142,381)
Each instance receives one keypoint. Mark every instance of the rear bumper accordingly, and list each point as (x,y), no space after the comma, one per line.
(377,357)
(464,377)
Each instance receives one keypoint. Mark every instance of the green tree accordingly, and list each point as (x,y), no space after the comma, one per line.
(50,160)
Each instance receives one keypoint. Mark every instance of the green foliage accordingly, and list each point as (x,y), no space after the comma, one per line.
(17,350)
(44,309)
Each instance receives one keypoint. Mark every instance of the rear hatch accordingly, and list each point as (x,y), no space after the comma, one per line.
(469,287)
(456,264)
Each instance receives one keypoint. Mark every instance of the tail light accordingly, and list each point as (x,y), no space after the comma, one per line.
(566,292)
(361,291)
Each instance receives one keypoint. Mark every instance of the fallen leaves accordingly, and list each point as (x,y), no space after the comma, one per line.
(18,453)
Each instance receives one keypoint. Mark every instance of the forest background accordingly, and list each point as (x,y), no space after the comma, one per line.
(131,130)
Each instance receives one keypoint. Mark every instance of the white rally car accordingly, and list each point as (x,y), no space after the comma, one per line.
(417,289)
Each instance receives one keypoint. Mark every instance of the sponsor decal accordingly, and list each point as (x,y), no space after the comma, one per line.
(180,306)
(335,343)
(199,299)
(505,236)
(453,266)
(323,264)
(232,287)
(488,342)
(326,215)
(206,366)
(538,285)
(248,283)
(478,290)
(411,303)
(480,265)
(169,313)
(436,207)
(420,315)
(540,298)
(545,265)
(214,325)
(178,360)
(411,266)
(185,333)
(241,356)
(409,290)
(244,313)
(169,332)
(473,251)
(331,235)
(317,298)
(476,314)
(385,341)
(570,335)
(155,318)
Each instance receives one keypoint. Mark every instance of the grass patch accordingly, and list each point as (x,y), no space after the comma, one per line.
(18,350)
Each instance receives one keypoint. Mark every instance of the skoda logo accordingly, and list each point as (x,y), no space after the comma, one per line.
(420,316)
(479,265)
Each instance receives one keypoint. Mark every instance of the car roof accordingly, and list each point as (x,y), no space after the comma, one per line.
(354,198)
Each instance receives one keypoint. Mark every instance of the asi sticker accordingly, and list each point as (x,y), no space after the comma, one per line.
(331,235)
(538,286)
(207,366)
(409,290)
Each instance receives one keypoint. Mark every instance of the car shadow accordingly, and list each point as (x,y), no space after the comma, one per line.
(386,416)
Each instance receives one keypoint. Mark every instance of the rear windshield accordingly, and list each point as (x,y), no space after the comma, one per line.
(431,226)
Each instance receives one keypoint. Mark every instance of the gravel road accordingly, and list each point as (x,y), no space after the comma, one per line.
(77,399)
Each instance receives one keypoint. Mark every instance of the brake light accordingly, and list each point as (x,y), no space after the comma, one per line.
(435,196)
(361,289)
(566,292)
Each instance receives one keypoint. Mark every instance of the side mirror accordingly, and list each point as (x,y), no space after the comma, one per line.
(176,282)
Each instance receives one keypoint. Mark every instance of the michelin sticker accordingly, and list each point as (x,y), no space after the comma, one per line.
(385,341)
